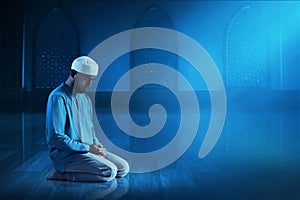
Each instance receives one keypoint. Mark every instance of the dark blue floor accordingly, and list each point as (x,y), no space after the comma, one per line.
(256,157)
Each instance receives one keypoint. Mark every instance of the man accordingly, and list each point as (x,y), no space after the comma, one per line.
(74,149)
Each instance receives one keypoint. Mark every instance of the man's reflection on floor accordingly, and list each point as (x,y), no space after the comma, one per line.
(112,190)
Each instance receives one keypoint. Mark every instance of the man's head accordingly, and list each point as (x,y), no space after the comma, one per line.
(84,69)
(85,65)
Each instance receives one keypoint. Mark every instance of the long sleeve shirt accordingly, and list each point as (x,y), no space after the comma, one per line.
(69,125)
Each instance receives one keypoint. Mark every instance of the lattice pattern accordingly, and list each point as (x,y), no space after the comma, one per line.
(56,45)
(153,16)
(246,51)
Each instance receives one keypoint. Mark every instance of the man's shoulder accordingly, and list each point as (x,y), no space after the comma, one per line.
(59,91)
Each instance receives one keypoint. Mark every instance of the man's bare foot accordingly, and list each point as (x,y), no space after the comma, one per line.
(56,175)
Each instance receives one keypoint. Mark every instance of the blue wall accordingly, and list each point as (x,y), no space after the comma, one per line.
(208,22)
(269,31)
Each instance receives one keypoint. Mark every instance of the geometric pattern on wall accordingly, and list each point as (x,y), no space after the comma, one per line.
(152,16)
(56,45)
(246,51)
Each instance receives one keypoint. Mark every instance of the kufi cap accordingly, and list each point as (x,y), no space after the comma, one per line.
(85,65)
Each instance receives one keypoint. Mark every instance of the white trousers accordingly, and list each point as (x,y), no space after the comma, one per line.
(92,168)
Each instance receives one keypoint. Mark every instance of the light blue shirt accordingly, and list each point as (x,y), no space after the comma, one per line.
(69,125)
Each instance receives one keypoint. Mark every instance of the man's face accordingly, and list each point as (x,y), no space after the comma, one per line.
(82,82)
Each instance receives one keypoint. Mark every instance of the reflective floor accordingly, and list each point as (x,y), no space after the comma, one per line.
(256,157)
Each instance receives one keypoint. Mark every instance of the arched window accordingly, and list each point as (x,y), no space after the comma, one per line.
(56,45)
(153,16)
(246,51)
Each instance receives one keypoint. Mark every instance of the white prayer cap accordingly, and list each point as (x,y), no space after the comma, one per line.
(85,65)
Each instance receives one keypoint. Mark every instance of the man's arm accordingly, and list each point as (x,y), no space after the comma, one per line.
(55,125)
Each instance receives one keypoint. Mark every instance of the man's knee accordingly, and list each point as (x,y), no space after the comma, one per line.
(112,173)
(124,170)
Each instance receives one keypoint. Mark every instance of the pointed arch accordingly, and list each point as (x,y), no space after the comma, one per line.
(246,52)
(56,45)
(152,16)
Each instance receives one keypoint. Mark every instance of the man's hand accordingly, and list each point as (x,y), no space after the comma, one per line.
(97,149)
(99,145)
